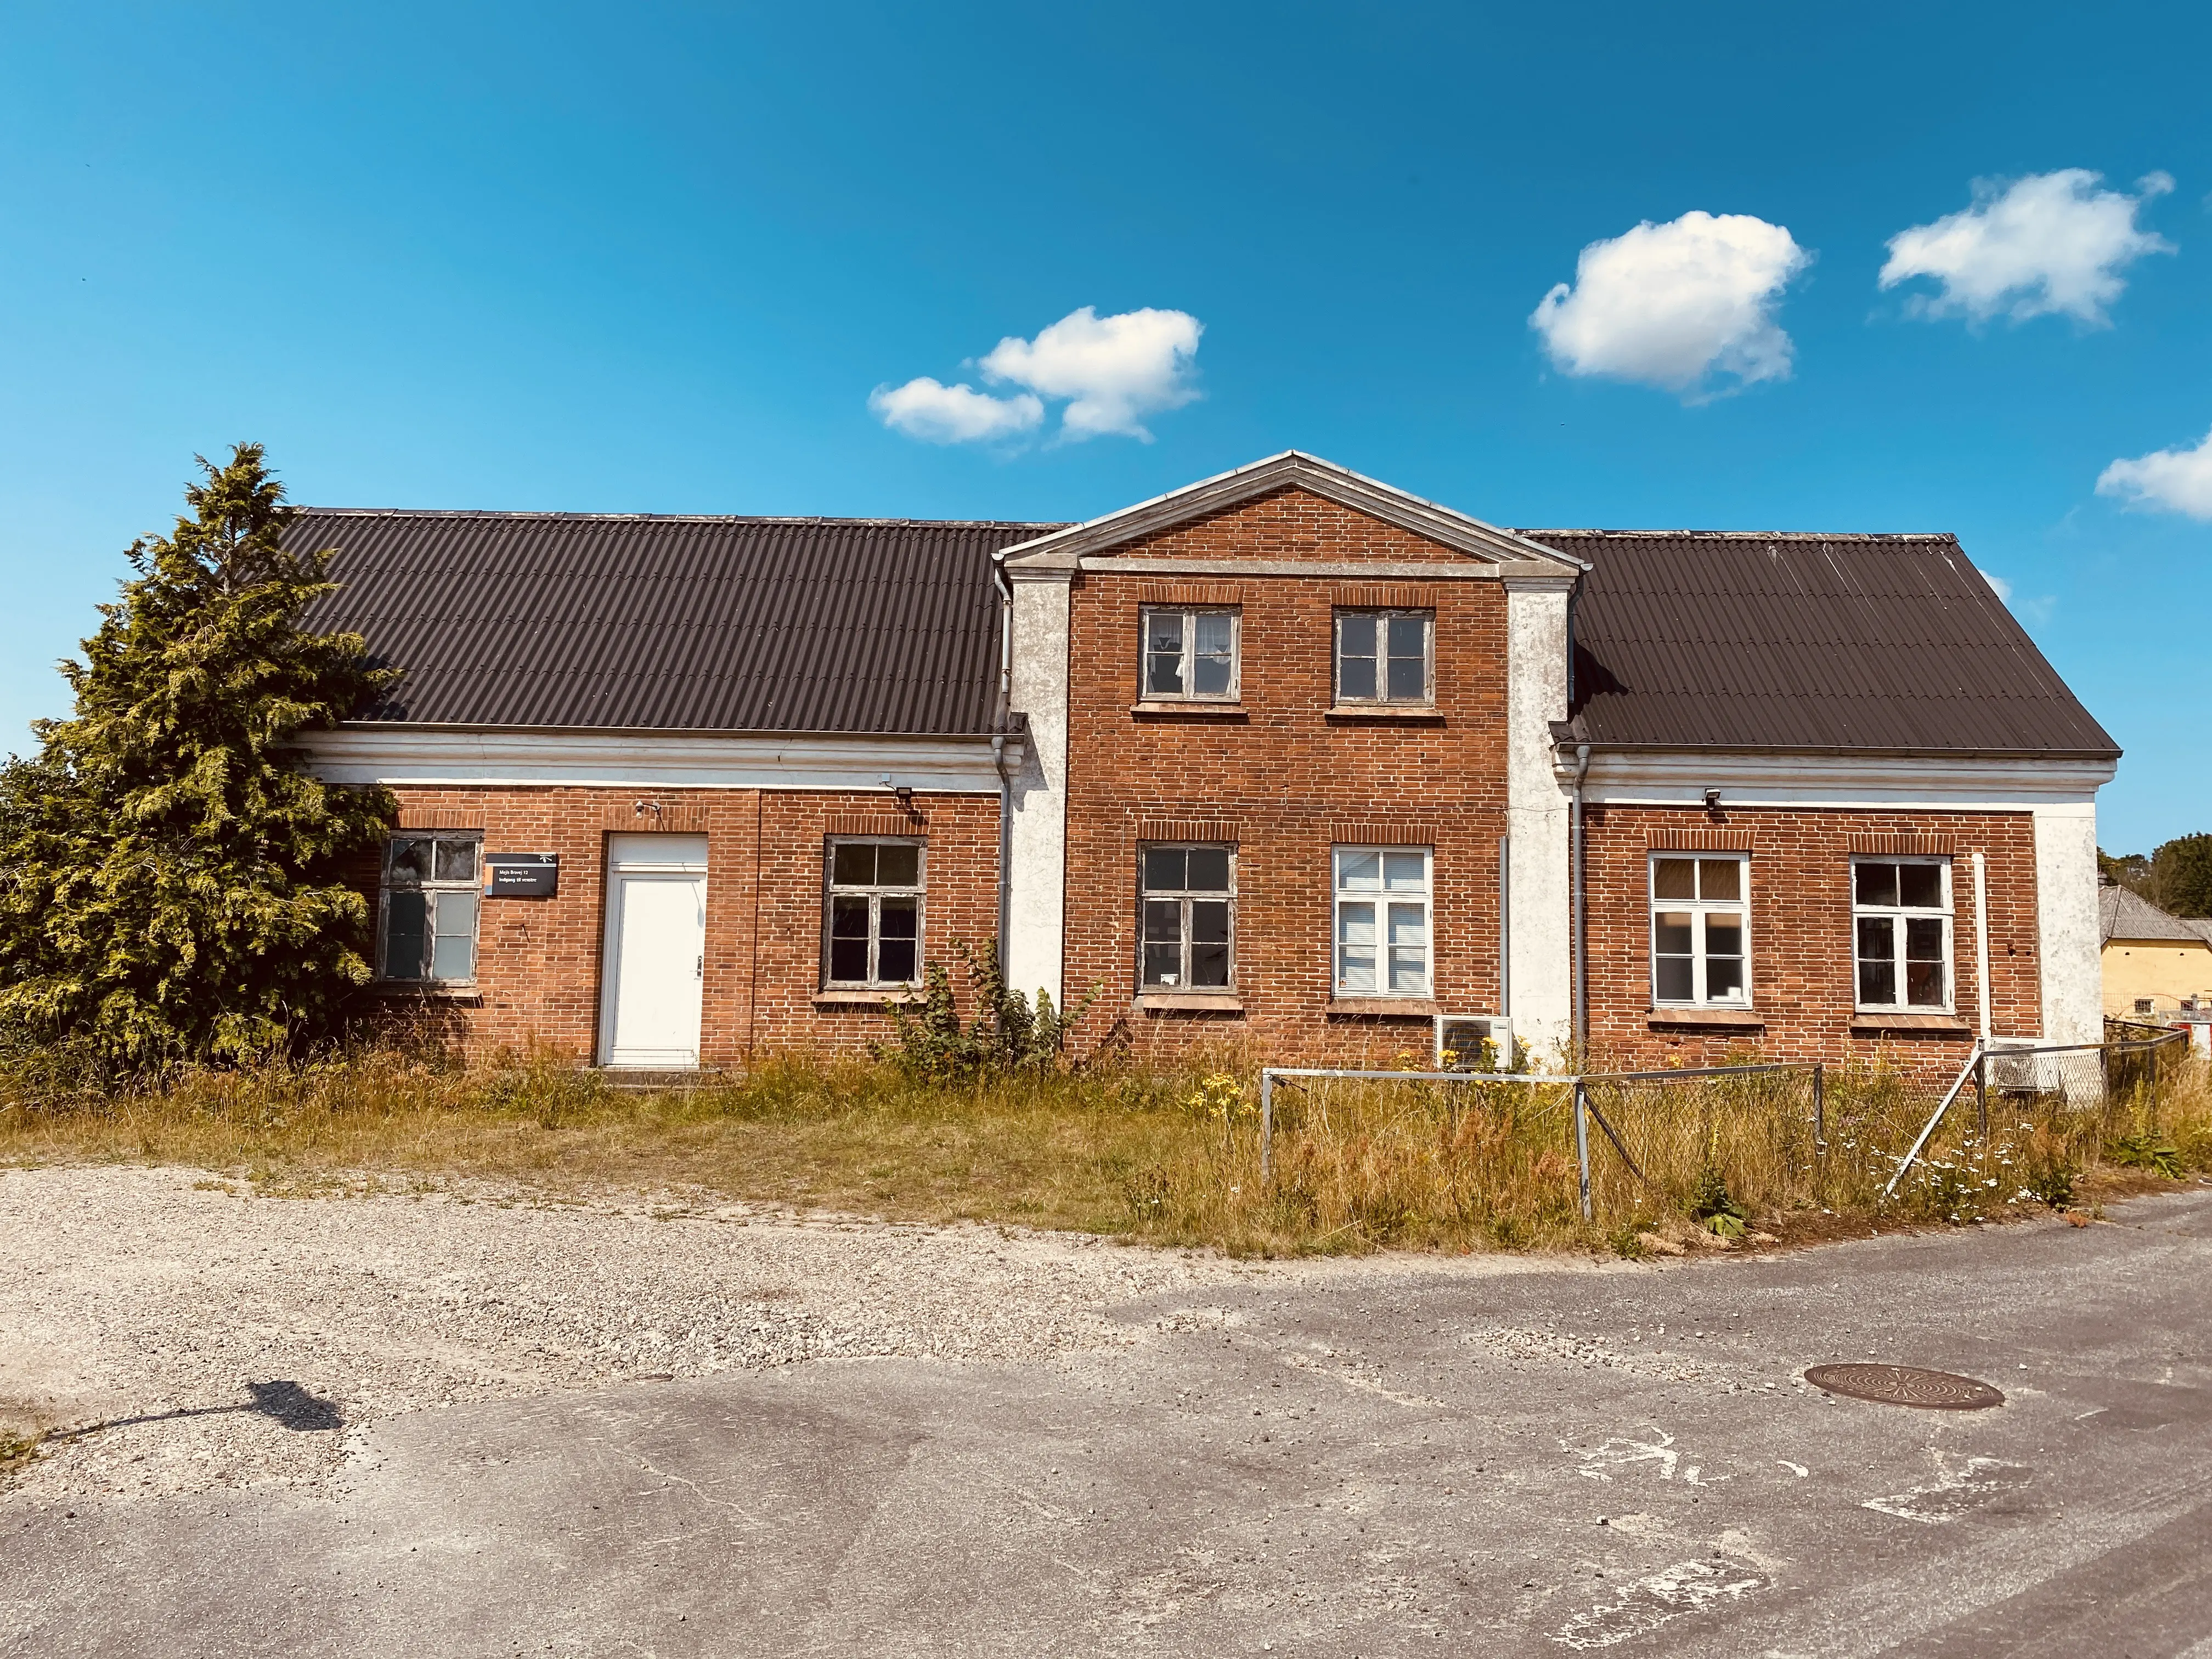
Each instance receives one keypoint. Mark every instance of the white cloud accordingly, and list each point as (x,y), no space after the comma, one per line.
(1998,585)
(1112,369)
(2177,480)
(953,414)
(2052,242)
(1108,371)
(1667,305)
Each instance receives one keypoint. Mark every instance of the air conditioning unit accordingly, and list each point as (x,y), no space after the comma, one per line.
(1475,1043)
(2013,1072)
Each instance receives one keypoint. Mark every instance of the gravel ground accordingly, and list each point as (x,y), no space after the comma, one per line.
(195,1334)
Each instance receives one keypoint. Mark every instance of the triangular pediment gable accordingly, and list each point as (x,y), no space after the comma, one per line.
(1472,538)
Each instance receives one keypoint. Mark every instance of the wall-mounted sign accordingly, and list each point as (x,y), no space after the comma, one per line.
(521,875)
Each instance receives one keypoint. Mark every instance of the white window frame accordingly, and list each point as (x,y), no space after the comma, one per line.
(1189,660)
(1378,901)
(1699,908)
(390,881)
(875,893)
(1897,915)
(1383,615)
(1185,896)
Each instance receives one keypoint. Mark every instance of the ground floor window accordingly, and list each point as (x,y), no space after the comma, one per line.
(1698,928)
(1187,902)
(1901,930)
(427,910)
(1381,924)
(871,926)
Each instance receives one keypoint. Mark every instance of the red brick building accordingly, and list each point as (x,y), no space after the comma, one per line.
(1288,755)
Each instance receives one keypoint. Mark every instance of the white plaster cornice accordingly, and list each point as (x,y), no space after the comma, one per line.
(1291,468)
(1670,778)
(399,755)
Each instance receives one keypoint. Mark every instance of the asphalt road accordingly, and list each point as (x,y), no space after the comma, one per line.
(1542,1463)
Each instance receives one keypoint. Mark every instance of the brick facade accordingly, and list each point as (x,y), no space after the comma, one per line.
(538,961)
(1287,524)
(1801,965)
(1283,778)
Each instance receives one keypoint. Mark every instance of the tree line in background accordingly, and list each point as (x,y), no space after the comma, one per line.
(171,880)
(2177,877)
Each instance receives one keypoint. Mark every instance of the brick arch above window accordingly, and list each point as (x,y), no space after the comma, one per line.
(1702,841)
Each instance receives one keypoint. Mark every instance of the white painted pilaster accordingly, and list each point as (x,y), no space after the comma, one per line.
(2066,919)
(1036,876)
(1539,945)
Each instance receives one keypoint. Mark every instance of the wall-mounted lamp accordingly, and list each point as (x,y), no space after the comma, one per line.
(1713,800)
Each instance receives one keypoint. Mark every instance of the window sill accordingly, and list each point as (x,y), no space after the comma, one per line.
(1190,1002)
(862,998)
(1413,713)
(1745,1018)
(1191,708)
(1388,1007)
(403,990)
(1881,1020)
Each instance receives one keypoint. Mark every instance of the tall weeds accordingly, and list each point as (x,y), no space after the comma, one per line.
(1167,1155)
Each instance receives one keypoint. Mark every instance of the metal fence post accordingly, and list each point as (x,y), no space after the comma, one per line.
(1266,1127)
(1582,1145)
(1982,1092)
(1819,1107)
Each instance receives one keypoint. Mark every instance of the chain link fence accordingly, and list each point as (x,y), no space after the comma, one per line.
(1718,1144)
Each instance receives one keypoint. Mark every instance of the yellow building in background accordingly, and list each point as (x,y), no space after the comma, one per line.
(2153,963)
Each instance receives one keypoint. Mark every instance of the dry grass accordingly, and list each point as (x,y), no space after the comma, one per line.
(841,1136)
(1170,1159)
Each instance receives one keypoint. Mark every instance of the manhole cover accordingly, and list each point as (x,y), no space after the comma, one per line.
(1905,1385)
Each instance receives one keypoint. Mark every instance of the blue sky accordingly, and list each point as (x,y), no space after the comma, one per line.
(657,258)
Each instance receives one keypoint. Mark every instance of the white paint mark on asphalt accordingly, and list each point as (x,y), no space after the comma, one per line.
(1953,1492)
(1737,1543)
(1797,1469)
(1351,1379)
(1687,1587)
(1620,1453)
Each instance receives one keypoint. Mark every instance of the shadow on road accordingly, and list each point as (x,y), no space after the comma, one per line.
(285,1403)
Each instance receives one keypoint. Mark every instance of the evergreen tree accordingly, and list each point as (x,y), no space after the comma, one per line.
(170,876)
(2181,875)
(2129,870)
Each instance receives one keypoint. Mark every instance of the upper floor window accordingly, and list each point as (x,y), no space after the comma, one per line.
(426,924)
(1901,928)
(1381,920)
(872,928)
(1385,657)
(1190,653)
(1189,917)
(1698,911)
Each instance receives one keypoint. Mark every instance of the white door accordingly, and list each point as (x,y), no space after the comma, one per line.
(656,956)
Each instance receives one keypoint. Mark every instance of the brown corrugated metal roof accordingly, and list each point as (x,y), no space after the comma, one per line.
(1683,639)
(671,623)
(1694,639)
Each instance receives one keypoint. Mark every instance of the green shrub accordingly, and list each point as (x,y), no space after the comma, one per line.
(1009,1035)
(2147,1151)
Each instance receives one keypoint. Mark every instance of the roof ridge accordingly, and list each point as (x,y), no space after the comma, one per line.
(1763,535)
(673,517)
